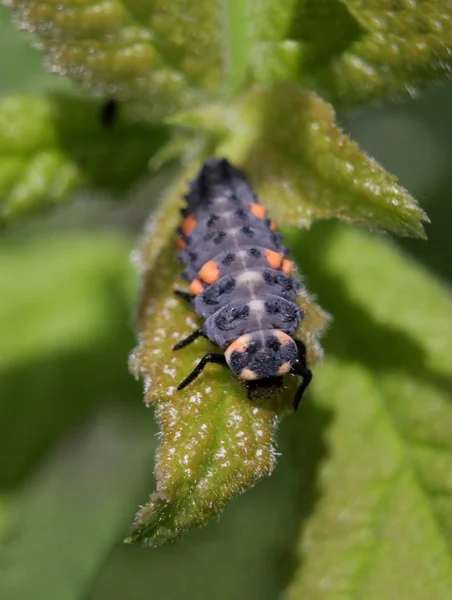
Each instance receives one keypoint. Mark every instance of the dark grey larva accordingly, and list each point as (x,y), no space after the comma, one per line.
(240,281)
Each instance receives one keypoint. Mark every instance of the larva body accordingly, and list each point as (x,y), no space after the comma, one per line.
(240,281)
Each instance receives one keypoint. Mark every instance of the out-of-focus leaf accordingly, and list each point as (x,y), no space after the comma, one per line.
(215,441)
(48,147)
(65,519)
(153,54)
(65,338)
(305,168)
(353,51)
(293,39)
(166,57)
(385,506)
(402,46)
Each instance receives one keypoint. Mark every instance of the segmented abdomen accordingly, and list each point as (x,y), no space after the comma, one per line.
(233,258)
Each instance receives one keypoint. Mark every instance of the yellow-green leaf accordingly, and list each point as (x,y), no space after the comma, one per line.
(352,51)
(163,57)
(401,46)
(305,168)
(155,55)
(215,441)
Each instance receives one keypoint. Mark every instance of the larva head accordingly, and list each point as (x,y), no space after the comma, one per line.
(262,355)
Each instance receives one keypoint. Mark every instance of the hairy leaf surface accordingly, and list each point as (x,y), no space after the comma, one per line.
(306,168)
(155,56)
(215,441)
(385,495)
(165,57)
(352,51)
(402,46)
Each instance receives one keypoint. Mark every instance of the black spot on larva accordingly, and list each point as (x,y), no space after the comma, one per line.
(219,237)
(228,319)
(228,259)
(240,312)
(272,306)
(226,286)
(241,214)
(212,220)
(273,343)
(254,347)
(291,284)
(210,297)
(213,293)
(272,277)
(238,361)
(221,322)
(276,237)
(254,252)
(193,256)
(246,229)
(269,276)
(291,312)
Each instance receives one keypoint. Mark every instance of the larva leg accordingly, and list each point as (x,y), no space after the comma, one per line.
(301,369)
(189,339)
(185,295)
(218,359)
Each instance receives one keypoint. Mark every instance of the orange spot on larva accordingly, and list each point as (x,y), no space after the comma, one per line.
(282,337)
(273,225)
(189,224)
(196,287)
(180,243)
(240,345)
(209,272)
(258,210)
(274,259)
(285,368)
(287,266)
(248,375)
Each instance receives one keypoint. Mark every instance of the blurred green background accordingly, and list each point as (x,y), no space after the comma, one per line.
(76,442)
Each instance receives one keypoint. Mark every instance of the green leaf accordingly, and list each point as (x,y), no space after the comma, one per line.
(167,57)
(215,443)
(76,445)
(294,38)
(154,55)
(64,520)
(384,509)
(65,315)
(49,147)
(353,51)
(401,46)
(305,168)
(26,72)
